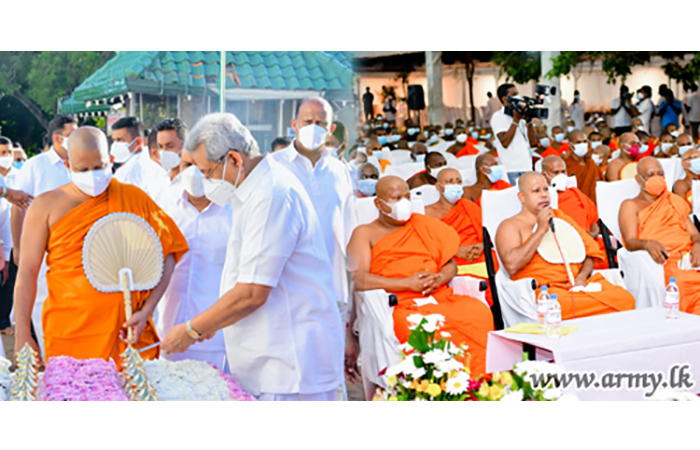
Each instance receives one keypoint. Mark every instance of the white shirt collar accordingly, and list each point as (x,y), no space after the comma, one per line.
(290,153)
(53,156)
(247,187)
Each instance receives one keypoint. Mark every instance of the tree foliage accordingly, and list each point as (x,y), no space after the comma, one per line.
(520,67)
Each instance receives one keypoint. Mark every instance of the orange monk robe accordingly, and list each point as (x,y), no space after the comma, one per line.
(426,243)
(468,149)
(383,163)
(602,171)
(579,207)
(551,151)
(78,320)
(497,186)
(613,144)
(586,175)
(665,221)
(611,299)
(465,218)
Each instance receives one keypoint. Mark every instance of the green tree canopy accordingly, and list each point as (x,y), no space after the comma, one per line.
(521,67)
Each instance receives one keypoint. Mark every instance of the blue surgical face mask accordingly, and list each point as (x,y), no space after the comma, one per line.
(486,137)
(382,139)
(684,148)
(453,192)
(18,164)
(559,137)
(420,158)
(475,134)
(496,173)
(368,187)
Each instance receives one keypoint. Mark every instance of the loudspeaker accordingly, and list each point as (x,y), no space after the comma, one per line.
(416,98)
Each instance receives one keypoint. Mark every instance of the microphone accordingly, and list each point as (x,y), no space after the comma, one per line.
(551,224)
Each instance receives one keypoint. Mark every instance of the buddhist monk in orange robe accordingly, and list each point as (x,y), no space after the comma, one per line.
(629,150)
(79,321)
(517,246)
(684,186)
(411,256)
(658,221)
(581,165)
(488,176)
(465,217)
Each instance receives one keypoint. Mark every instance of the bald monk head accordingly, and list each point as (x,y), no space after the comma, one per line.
(647,168)
(691,169)
(418,149)
(552,166)
(601,155)
(448,176)
(484,164)
(628,141)
(684,143)
(88,150)
(533,194)
(393,200)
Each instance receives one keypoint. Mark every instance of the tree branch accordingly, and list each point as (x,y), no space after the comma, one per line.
(32,108)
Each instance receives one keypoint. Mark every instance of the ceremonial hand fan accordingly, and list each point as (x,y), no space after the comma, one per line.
(563,248)
(122,252)
(628,171)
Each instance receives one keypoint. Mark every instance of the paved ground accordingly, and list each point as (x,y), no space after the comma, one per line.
(355,391)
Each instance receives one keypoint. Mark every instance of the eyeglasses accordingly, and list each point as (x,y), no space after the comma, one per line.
(207,173)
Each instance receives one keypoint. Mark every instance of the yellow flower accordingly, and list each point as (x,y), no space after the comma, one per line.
(443,384)
(496,377)
(484,390)
(393,399)
(392,380)
(423,386)
(433,390)
(496,392)
(506,378)
(452,374)
(414,385)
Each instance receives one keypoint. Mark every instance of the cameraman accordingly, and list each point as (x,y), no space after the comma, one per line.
(516,136)
(623,110)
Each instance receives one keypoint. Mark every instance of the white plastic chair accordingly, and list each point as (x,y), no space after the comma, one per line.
(450,158)
(696,197)
(571,182)
(538,165)
(428,193)
(644,278)
(404,171)
(673,170)
(464,162)
(400,157)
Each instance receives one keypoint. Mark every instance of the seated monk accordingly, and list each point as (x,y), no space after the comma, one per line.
(629,150)
(79,321)
(469,147)
(691,165)
(666,143)
(419,152)
(601,156)
(580,164)
(411,255)
(557,146)
(433,162)
(458,144)
(658,221)
(465,217)
(684,143)
(517,246)
(488,176)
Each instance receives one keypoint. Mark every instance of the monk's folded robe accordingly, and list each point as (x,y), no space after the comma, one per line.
(579,207)
(425,243)
(611,299)
(497,186)
(551,151)
(665,221)
(78,320)
(465,219)
(587,176)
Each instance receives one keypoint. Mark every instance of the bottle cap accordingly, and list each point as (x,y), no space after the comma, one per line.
(554,296)
(672,279)
(543,289)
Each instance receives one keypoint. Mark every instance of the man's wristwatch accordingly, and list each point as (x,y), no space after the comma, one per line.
(191,332)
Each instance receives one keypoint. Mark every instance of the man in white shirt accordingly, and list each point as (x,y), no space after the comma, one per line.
(42,173)
(137,167)
(645,107)
(278,307)
(194,286)
(516,136)
(623,110)
(171,134)
(693,107)
(328,183)
(576,111)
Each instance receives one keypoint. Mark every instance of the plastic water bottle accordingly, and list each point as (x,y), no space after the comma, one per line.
(554,318)
(542,308)
(672,299)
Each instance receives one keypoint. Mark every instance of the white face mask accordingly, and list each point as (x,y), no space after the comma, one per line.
(559,182)
(435,171)
(461,138)
(433,139)
(120,151)
(595,144)
(559,137)
(684,148)
(449,131)
(581,149)
(93,182)
(333,151)
(221,191)
(400,211)
(640,96)
(193,181)
(597,159)
(544,142)
(64,142)
(169,160)
(6,161)
(666,146)
(312,137)
(675,134)
(569,129)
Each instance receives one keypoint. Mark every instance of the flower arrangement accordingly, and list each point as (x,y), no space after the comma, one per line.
(431,370)
(5,380)
(69,379)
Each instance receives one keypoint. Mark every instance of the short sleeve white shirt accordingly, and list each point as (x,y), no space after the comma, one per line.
(294,342)
(576,111)
(622,118)
(694,103)
(42,173)
(645,108)
(515,158)
(144,173)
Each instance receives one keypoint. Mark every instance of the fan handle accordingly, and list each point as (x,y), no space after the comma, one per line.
(126,278)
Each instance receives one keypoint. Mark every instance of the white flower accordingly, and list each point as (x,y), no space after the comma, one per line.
(449,365)
(419,372)
(445,334)
(458,384)
(405,347)
(515,396)
(438,374)
(552,394)
(435,356)
(434,320)
(415,318)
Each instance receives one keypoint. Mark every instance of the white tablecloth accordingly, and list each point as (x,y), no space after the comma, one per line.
(630,341)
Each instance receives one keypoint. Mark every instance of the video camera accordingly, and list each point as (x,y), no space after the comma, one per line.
(528,106)
(626,96)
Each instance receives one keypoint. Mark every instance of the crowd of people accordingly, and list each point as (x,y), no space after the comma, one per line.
(264,249)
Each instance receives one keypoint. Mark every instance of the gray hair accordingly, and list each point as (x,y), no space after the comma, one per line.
(221,133)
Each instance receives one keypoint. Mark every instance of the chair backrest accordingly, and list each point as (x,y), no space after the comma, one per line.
(449,157)
(366,211)
(496,206)
(610,196)
(538,165)
(400,157)
(428,193)
(465,162)
(571,182)
(673,170)
(375,162)
(696,197)
(482,148)
(404,171)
